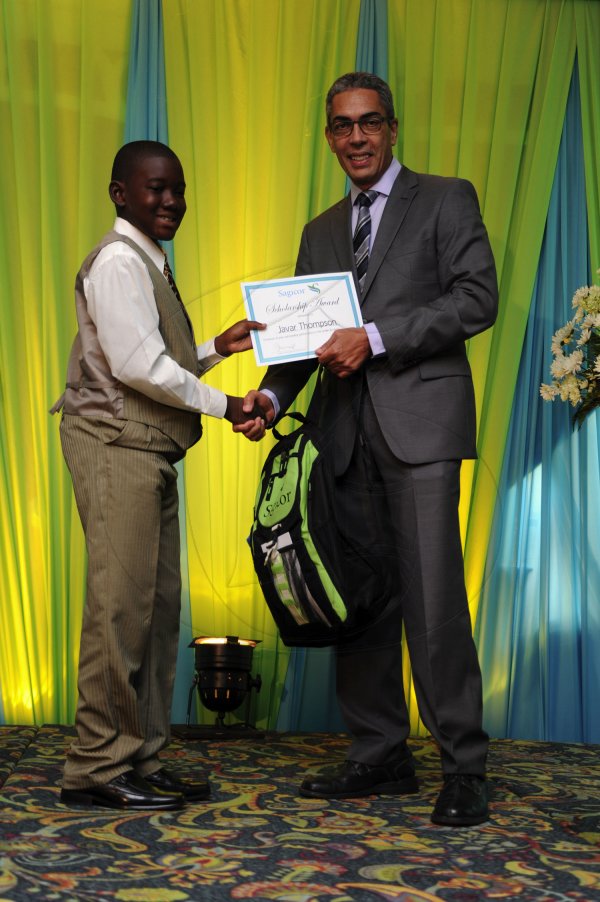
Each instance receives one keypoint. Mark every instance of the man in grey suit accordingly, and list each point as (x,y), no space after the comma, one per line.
(396,400)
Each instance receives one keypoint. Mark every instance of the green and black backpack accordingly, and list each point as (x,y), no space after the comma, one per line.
(319,584)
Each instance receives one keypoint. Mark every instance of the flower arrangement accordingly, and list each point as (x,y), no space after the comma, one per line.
(575,369)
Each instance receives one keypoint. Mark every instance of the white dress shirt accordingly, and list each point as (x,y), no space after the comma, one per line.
(121,304)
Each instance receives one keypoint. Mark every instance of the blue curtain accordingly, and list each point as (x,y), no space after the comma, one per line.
(309,697)
(146,92)
(372,43)
(146,119)
(539,622)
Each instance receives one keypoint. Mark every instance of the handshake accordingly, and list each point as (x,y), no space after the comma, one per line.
(249,415)
(344,353)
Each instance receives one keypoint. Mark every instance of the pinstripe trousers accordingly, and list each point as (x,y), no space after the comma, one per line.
(126,492)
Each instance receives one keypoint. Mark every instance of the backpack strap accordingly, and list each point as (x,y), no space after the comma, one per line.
(293,416)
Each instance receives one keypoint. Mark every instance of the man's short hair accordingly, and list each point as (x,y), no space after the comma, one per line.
(367,80)
(130,155)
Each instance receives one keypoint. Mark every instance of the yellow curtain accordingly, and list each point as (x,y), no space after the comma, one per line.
(481,89)
(62,91)
(245,88)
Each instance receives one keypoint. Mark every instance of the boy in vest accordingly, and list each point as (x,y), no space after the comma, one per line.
(131,409)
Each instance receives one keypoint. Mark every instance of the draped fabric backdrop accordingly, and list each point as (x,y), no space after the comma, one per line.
(63,80)
(147,120)
(540,616)
(481,89)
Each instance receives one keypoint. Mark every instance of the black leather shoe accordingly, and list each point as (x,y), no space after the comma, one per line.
(128,790)
(169,781)
(354,780)
(463,801)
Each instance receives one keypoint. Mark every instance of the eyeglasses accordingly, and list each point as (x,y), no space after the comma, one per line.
(369,125)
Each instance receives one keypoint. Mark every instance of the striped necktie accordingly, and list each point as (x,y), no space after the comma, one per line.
(168,274)
(362,234)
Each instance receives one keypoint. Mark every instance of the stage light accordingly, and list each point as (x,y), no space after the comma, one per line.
(223,679)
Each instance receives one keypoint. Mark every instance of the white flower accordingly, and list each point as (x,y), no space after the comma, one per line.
(562,337)
(569,390)
(580,296)
(576,376)
(548,392)
(591,303)
(565,364)
(584,337)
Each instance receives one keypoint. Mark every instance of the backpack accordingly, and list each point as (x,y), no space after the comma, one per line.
(319,584)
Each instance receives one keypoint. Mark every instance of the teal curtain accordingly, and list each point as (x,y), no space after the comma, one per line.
(146,88)
(540,613)
(146,119)
(372,43)
(309,699)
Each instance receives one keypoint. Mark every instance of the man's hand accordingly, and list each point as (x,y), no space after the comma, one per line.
(345,351)
(259,410)
(237,337)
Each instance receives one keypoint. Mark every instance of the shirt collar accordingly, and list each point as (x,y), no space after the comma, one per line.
(156,253)
(385,183)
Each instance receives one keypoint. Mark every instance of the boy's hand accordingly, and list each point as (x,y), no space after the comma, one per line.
(259,410)
(251,423)
(237,337)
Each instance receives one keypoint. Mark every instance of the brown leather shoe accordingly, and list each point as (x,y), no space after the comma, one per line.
(127,791)
(169,781)
(463,801)
(354,780)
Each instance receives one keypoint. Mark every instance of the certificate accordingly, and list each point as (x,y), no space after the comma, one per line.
(300,313)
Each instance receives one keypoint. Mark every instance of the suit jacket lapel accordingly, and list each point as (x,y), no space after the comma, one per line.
(340,229)
(401,196)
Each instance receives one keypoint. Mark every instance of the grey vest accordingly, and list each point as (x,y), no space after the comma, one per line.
(92,390)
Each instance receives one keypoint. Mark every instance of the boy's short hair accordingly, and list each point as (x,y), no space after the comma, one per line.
(128,157)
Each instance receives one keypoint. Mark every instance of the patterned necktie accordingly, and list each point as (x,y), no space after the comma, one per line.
(362,234)
(168,274)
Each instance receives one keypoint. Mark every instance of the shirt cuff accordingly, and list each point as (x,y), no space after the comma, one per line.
(208,356)
(274,401)
(377,346)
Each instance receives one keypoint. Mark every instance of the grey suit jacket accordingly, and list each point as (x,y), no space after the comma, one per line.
(430,286)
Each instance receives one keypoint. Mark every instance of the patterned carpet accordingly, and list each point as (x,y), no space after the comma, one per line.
(256,839)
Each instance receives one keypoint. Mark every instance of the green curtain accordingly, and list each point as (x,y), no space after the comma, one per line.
(481,90)
(63,67)
(587,19)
